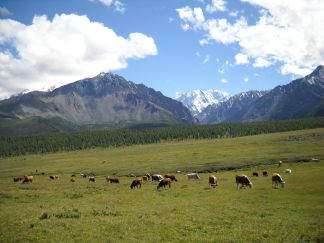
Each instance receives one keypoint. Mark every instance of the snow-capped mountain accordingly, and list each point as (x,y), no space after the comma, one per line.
(197,100)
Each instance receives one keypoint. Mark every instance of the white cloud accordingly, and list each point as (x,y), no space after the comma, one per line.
(185,27)
(261,62)
(216,5)
(246,79)
(119,6)
(224,81)
(288,33)
(206,59)
(68,48)
(192,16)
(241,59)
(233,13)
(4,11)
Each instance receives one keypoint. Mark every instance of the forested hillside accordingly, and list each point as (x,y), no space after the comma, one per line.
(19,145)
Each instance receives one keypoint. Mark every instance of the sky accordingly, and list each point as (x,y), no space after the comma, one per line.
(172,46)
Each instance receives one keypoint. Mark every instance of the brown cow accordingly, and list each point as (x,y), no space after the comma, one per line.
(136,183)
(213,181)
(277,179)
(16,179)
(28,179)
(243,180)
(72,179)
(145,178)
(165,182)
(112,180)
(172,177)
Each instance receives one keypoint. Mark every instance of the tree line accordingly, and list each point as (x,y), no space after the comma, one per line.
(55,142)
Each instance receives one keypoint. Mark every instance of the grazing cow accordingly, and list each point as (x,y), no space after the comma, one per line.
(163,183)
(28,179)
(157,177)
(72,179)
(288,171)
(265,173)
(136,183)
(83,175)
(73,175)
(256,174)
(243,180)
(279,164)
(172,177)
(112,180)
(91,179)
(16,179)
(193,176)
(145,178)
(277,179)
(55,177)
(213,181)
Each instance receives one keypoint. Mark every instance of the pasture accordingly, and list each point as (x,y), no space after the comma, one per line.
(61,211)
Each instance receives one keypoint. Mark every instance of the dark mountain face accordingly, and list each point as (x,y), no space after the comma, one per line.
(103,99)
(300,98)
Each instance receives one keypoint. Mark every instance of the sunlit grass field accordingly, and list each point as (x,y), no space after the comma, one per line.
(61,211)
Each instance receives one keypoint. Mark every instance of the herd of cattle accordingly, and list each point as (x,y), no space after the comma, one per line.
(166,180)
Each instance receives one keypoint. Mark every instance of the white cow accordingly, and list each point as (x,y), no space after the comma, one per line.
(288,171)
(193,176)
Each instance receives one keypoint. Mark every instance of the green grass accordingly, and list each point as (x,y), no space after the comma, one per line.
(61,211)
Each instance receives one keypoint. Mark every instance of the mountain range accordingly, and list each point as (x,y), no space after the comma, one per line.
(197,100)
(103,99)
(300,98)
(110,101)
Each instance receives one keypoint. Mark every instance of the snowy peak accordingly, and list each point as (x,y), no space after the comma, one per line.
(197,100)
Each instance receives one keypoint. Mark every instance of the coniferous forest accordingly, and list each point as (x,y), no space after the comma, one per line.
(55,142)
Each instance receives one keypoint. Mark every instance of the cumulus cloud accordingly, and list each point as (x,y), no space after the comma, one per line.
(288,33)
(241,59)
(216,5)
(68,48)
(4,11)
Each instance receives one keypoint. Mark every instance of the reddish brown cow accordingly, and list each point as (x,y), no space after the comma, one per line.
(28,179)
(213,181)
(172,177)
(243,180)
(145,178)
(136,183)
(163,183)
(112,180)
(277,179)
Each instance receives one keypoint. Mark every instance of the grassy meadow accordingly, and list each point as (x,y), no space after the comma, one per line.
(61,211)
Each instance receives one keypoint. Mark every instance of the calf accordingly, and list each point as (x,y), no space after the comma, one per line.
(213,181)
(16,179)
(91,179)
(243,180)
(265,173)
(172,177)
(136,183)
(256,174)
(163,183)
(277,179)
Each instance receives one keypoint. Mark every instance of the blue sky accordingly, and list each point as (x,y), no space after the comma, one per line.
(176,45)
